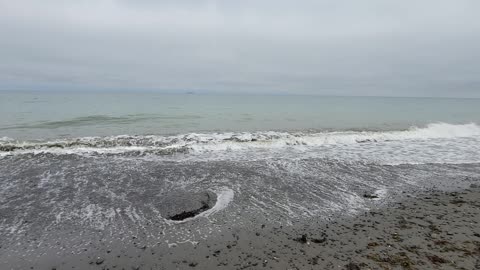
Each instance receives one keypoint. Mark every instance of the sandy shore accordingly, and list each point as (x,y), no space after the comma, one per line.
(438,230)
(434,231)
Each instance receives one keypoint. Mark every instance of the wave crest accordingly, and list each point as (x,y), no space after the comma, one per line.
(167,145)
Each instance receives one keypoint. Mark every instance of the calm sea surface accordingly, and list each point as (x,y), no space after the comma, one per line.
(48,115)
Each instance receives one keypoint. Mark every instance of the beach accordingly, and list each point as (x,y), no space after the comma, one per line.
(434,230)
(438,230)
(219,185)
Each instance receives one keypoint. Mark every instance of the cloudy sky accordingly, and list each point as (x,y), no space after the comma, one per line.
(337,47)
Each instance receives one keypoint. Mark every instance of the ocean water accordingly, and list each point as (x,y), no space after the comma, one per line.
(98,164)
(51,115)
(223,127)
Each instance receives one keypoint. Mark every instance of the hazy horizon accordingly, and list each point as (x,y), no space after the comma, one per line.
(322,48)
(216,93)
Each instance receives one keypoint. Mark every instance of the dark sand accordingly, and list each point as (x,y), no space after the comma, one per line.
(438,230)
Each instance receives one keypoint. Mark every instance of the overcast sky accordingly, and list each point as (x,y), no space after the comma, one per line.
(337,47)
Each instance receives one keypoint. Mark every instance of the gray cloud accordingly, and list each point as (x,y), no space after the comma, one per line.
(376,47)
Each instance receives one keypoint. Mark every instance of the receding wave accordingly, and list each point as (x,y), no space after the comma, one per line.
(195,142)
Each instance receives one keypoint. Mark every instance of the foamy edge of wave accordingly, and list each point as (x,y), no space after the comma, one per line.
(229,141)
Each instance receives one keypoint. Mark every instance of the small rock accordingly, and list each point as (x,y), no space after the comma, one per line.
(370,196)
(303,239)
(352,266)
(436,259)
(319,241)
(99,260)
(457,201)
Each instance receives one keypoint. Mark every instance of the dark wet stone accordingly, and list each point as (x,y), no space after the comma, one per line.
(303,239)
(457,201)
(436,259)
(99,260)
(352,266)
(181,205)
(319,241)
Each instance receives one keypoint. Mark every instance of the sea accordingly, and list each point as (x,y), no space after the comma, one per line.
(97,164)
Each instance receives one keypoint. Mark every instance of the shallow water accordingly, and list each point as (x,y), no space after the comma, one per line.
(43,193)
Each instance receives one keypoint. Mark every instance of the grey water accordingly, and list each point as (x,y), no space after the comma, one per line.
(48,115)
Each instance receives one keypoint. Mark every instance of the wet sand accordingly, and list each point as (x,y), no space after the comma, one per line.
(438,230)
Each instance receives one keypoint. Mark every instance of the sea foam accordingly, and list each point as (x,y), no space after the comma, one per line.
(198,143)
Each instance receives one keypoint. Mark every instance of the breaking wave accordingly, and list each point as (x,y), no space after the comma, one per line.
(196,142)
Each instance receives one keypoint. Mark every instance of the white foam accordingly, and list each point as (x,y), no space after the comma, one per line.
(5,139)
(435,143)
(350,204)
(232,142)
(452,139)
(224,197)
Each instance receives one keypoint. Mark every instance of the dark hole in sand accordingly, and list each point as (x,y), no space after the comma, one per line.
(190,214)
(181,205)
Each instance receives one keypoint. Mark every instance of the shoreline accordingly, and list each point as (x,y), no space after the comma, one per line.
(435,230)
